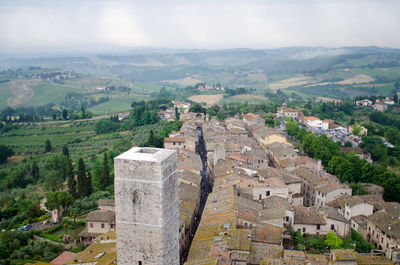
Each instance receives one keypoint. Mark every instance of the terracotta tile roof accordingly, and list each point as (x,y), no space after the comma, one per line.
(333,213)
(238,157)
(239,240)
(311,118)
(361,220)
(376,260)
(327,188)
(250,116)
(294,254)
(175,139)
(344,254)
(346,199)
(101,216)
(388,221)
(94,253)
(288,109)
(63,258)
(316,259)
(304,215)
(267,234)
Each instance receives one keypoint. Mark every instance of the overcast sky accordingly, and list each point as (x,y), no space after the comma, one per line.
(29,25)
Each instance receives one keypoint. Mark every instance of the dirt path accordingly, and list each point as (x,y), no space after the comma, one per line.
(21,93)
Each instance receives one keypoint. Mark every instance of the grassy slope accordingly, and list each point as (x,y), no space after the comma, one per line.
(80,137)
(5,93)
(50,92)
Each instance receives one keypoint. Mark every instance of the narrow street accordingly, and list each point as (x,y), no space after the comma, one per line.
(206,188)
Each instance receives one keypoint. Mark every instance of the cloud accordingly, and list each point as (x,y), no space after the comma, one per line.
(193,24)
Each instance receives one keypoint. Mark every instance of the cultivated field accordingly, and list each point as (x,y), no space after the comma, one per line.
(297,80)
(250,96)
(188,81)
(208,99)
(29,139)
(358,79)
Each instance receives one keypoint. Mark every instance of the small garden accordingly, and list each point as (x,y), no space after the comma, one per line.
(321,244)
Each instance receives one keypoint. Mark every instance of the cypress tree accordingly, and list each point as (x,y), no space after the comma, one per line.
(65,151)
(35,171)
(151,141)
(81,179)
(105,178)
(177,114)
(89,183)
(71,183)
(48,146)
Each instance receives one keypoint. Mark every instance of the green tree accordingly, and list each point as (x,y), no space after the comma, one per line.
(105,126)
(220,116)
(59,200)
(362,246)
(122,145)
(105,178)
(82,189)
(89,183)
(197,108)
(315,243)
(5,153)
(151,141)
(333,241)
(356,130)
(177,114)
(35,171)
(65,114)
(71,182)
(65,150)
(48,146)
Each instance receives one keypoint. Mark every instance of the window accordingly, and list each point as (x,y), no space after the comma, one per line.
(318,227)
(179,143)
(102,225)
(91,225)
(332,227)
(139,263)
(174,143)
(267,193)
(287,218)
(304,229)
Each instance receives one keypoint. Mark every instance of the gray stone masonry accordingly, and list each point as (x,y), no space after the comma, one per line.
(146,207)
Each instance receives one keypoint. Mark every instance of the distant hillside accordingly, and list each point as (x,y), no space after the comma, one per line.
(327,72)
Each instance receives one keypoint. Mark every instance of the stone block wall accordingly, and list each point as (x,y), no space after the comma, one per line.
(146,204)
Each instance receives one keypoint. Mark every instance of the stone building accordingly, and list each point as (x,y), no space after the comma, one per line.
(287,112)
(97,222)
(146,204)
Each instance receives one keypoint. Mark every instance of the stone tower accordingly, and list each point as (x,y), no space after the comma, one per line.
(146,207)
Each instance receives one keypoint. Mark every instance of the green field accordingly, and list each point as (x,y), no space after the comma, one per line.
(50,92)
(5,94)
(119,104)
(80,137)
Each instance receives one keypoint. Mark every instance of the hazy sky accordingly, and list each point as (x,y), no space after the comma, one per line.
(81,24)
